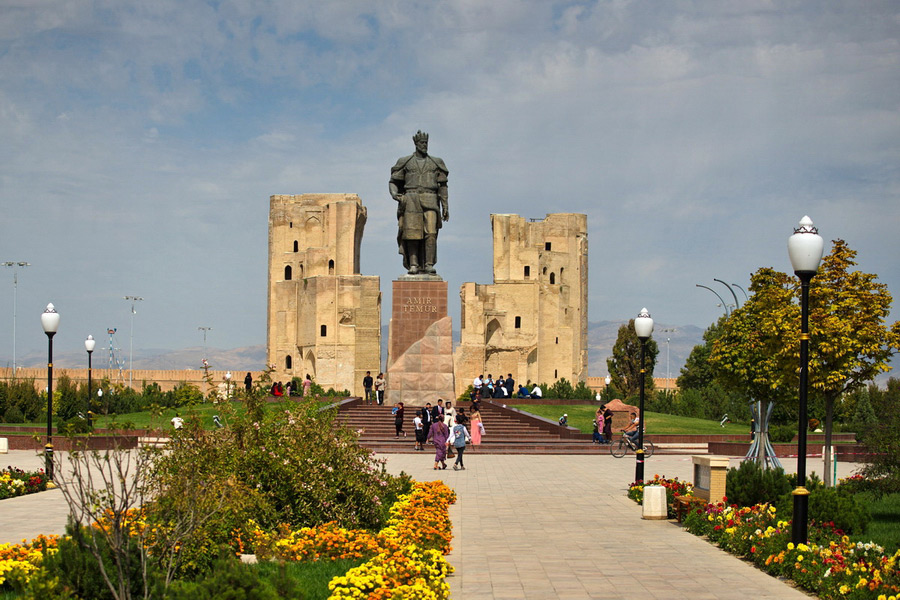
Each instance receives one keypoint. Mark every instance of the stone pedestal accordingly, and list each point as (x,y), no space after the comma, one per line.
(709,476)
(420,348)
(654,504)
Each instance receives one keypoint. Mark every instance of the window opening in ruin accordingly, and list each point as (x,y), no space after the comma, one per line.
(331,267)
(555,375)
(552,278)
(547,246)
(287,362)
(518,322)
(527,272)
(287,273)
(323,330)
(296,246)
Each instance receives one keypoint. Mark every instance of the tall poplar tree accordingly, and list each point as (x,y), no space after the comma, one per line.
(625,363)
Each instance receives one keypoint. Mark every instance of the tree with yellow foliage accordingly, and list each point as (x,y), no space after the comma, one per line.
(850,341)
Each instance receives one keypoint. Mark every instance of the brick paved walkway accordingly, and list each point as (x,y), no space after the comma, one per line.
(534,527)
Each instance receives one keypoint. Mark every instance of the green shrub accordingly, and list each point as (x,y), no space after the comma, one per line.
(836,506)
(749,484)
(13,414)
(782,434)
(73,571)
(229,579)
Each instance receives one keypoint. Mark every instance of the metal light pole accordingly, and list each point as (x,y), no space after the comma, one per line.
(15,265)
(805,248)
(131,348)
(608,381)
(89,346)
(204,330)
(736,303)
(725,304)
(50,323)
(746,297)
(643,327)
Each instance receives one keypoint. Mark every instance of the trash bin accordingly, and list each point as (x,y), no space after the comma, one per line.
(655,502)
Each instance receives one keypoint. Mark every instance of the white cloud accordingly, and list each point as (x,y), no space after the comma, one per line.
(150,137)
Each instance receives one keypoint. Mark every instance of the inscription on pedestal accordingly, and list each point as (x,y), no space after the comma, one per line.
(415,306)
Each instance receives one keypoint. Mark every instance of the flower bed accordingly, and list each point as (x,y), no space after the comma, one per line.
(405,558)
(16,482)
(19,561)
(830,565)
(674,488)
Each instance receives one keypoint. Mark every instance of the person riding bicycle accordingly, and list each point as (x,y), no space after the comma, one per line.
(633,429)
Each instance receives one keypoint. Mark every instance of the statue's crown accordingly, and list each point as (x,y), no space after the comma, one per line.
(420,136)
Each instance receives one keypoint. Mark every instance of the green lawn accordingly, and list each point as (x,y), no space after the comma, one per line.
(581,416)
(884,528)
(163,419)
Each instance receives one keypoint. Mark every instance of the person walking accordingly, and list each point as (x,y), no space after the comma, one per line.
(380,384)
(307,383)
(368,382)
(477,428)
(458,438)
(438,435)
(419,426)
(398,420)
(248,383)
(449,421)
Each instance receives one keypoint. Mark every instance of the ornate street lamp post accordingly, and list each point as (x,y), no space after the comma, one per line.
(608,381)
(805,248)
(643,327)
(50,323)
(89,346)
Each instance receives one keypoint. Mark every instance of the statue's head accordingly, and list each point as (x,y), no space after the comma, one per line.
(421,141)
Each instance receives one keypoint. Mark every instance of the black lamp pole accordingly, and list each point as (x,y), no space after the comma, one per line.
(805,249)
(643,327)
(800,526)
(639,453)
(50,322)
(89,346)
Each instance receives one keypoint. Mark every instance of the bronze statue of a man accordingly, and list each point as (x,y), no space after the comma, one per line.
(419,185)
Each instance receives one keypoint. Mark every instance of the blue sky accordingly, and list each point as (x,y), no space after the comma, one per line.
(142,140)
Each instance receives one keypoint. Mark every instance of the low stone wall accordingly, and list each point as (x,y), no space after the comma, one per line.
(166,378)
(64,444)
(843,452)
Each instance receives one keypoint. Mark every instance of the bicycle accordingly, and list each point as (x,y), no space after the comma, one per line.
(620,448)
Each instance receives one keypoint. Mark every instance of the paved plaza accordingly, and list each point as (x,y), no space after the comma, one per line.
(534,527)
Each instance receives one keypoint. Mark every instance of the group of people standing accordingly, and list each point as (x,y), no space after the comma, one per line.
(278,389)
(603,426)
(450,430)
(374,388)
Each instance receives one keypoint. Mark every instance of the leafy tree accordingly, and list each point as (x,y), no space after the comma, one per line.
(625,363)
(758,351)
(697,373)
(849,341)
(753,353)
(883,438)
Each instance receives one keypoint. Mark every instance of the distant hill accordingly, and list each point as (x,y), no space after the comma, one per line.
(250,358)
(682,339)
(601,337)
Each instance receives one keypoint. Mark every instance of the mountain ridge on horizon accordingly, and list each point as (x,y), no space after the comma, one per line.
(601,337)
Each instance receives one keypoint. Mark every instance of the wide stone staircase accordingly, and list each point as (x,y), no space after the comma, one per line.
(507,431)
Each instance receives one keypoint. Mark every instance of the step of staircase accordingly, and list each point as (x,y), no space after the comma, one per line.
(507,431)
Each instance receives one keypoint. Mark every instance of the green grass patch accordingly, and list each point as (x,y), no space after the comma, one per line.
(163,418)
(310,578)
(884,528)
(581,416)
